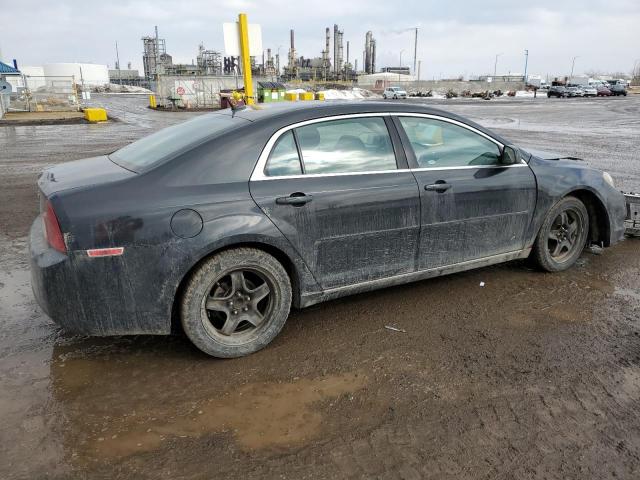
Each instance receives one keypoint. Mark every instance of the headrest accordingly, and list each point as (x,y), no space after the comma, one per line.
(308,136)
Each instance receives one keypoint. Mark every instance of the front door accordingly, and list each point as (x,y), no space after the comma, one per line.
(472,206)
(334,190)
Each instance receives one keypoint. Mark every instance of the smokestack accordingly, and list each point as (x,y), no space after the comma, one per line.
(327,39)
(335,48)
(373,56)
(367,52)
(292,57)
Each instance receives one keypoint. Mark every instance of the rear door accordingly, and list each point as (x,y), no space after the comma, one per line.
(472,206)
(334,188)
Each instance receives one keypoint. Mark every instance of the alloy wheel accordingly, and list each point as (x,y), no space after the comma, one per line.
(564,235)
(238,306)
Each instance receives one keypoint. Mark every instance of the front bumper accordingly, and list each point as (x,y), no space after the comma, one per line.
(632,220)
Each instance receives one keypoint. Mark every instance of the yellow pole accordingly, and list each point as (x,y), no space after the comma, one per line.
(246,60)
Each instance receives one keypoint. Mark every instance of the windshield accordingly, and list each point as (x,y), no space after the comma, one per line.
(154,149)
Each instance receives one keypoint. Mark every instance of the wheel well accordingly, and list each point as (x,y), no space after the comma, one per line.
(599,227)
(283,258)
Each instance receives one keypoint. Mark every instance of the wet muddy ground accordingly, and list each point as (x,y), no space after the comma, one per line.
(531,376)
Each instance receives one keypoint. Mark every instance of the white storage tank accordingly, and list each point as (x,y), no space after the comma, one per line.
(91,74)
(34,76)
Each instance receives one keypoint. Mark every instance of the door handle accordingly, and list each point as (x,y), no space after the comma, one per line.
(438,187)
(294,199)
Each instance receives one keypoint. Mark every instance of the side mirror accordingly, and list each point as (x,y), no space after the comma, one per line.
(510,156)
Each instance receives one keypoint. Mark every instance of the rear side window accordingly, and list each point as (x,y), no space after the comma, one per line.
(439,144)
(154,149)
(346,146)
(284,159)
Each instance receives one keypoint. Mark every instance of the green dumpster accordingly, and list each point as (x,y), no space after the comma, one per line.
(270,92)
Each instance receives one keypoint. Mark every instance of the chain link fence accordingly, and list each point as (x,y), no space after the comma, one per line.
(43,94)
(192,91)
(4,104)
(201,91)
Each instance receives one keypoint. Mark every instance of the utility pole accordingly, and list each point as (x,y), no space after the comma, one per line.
(495,65)
(573,64)
(415,51)
(419,65)
(526,63)
(118,64)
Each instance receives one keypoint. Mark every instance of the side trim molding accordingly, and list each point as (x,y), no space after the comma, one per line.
(333,293)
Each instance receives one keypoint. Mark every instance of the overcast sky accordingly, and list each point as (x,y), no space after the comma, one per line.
(455,37)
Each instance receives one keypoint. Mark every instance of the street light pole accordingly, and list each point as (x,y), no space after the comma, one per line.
(400,64)
(526,64)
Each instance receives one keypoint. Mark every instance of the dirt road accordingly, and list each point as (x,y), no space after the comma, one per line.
(530,376)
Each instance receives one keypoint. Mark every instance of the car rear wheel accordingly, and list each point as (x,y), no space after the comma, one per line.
(236,302)
(563,235)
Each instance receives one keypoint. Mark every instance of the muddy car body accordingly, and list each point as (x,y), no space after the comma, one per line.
(222,223)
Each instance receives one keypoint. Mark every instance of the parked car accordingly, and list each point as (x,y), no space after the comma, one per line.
(394,92)
(589,91)
(219,225)
(604,92)
(574,92)
(618,89)
(557,91)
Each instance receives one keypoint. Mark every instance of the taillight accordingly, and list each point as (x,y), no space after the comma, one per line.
(52,231)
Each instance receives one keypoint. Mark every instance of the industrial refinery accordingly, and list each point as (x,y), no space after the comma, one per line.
(337,61)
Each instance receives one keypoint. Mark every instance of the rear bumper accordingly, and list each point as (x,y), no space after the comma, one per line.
(90,296)
(50,273)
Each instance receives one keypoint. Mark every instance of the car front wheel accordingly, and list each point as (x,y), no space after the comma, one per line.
(236,302)
(562,236)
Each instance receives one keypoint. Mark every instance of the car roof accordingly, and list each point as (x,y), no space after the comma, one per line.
(282,114)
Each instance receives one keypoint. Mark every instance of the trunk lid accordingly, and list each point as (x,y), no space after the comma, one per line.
(81,174)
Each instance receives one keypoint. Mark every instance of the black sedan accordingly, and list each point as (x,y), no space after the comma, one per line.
(558,92)
(217,226)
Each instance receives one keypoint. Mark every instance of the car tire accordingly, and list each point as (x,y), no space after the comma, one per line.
(395,97)
(558,234)
(384,96)
(217,311)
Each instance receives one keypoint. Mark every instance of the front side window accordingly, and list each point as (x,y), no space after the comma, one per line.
(283,159)
(440,144)
(346,146)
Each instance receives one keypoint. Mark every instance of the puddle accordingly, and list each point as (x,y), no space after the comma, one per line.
(257,415)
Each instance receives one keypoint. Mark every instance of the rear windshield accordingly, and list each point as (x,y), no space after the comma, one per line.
(165,144)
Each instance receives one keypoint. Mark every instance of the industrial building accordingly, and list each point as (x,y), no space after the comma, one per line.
(323,68)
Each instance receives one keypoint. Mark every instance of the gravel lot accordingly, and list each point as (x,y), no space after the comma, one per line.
(531,376)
